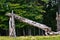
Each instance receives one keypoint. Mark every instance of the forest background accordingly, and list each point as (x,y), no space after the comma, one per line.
(41,11)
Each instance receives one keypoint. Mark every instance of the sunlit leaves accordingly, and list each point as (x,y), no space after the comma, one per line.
(45,1)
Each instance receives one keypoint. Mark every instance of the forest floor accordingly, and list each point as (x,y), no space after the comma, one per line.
(56,37)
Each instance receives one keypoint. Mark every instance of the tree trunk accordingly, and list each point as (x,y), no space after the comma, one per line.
(34,31)
(58,16)
(23,32)
(29,31)
(41,26)
(39,31)
(33,23)
(12,32)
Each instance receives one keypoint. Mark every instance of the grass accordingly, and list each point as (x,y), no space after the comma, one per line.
(57,37)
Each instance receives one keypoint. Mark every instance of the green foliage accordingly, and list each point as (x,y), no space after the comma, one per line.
(46,1)
(50,15)
(31,11)
(36,10)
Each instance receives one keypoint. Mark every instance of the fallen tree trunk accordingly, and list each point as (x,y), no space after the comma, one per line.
(39,25)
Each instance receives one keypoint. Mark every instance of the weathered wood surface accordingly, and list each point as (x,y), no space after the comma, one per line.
(12,26)
(41,26)
(10,29)
(58,21)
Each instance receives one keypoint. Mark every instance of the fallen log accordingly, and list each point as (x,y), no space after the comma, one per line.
(39,25)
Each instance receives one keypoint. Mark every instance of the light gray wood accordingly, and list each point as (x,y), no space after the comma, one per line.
(13,25)
(55,33)
(58,15)
(39,25)
(58,21)
(10,29)
(12,32)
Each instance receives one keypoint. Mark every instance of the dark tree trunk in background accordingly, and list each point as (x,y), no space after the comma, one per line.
(39,31)
(34,31)
(29,31)
(23,32)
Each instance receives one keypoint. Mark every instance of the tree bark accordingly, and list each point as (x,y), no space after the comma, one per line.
(35,24)
(41,26)
(12,32)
